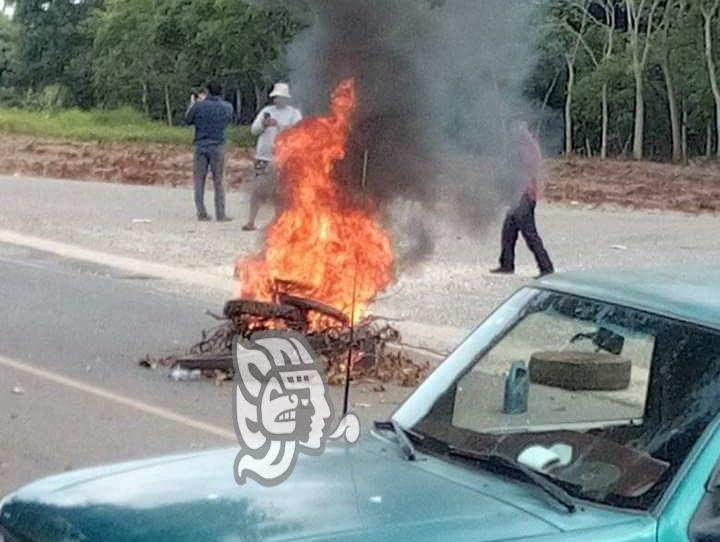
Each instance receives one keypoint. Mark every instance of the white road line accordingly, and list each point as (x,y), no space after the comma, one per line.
(163,271)
(118,399)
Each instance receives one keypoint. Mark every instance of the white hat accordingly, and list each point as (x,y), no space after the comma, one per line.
(281,90)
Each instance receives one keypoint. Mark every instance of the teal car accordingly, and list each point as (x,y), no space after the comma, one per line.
(585,408)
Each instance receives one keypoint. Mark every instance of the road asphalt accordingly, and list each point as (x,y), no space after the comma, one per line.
(71,391)
(437,300)
(94,275)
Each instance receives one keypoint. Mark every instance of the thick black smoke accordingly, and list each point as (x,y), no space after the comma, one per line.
(438,83)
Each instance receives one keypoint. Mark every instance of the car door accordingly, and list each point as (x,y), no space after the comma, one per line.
(690,511)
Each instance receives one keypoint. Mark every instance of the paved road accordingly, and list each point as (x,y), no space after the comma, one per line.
(449,292)
(71,394)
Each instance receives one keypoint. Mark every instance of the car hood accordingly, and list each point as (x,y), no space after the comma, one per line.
(364,492)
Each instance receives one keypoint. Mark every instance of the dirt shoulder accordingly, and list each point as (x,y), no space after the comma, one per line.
(128,163)
(641,185)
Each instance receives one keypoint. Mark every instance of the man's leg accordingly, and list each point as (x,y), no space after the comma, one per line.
(274,193)
(528,227)
(200,167)
(509,240)
(258,194)
(255,200)
(217,165)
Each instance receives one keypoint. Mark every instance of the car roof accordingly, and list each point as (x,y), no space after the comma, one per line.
(689,294)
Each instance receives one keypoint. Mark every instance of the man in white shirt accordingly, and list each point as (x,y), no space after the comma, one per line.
(268,124)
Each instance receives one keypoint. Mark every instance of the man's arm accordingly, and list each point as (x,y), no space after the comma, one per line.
(298,117)
(257,127)
(190,113)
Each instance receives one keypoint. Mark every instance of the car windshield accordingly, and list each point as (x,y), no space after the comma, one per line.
(604,400)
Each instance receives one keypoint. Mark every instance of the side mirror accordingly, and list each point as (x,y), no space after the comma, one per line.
(608,340)
(603,339)
(713,484)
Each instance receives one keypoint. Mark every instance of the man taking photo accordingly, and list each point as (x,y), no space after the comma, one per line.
(210,116)
(268,124)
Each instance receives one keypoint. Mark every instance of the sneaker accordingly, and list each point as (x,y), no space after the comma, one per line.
(503,271)
(203,218)
(224,219)
(249,227)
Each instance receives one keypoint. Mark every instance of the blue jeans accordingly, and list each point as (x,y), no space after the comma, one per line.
(212,157)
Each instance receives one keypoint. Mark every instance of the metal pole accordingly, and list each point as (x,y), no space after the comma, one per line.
(348,368)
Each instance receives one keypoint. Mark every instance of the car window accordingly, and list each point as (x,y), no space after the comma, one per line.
(544,335)
(605,400)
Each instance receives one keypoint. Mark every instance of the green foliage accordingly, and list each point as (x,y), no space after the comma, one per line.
(8,44)
(139,60)
(124,124)
(53,44)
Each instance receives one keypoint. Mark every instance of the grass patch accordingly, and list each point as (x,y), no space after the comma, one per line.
(123,125)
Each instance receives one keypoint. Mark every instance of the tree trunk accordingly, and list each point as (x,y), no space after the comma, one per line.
(258,97)
(145,101)
(238,105)
(684,136)
(168,106)
(639,115)
(673,106)
(568,109)
(546,99)
(708,139)
(712,70)
(604,135)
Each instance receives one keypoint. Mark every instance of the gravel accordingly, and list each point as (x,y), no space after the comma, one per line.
(438,299)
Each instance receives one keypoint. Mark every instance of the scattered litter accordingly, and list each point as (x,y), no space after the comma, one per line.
(619,247)
(141,221)
(574,202)
(379,388)
(362,405)
(179,374)
(148,363)
(17,390)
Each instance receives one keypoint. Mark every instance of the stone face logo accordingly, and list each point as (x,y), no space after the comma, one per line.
(282,406)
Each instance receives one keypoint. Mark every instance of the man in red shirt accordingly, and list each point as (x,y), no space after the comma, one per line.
(526,162)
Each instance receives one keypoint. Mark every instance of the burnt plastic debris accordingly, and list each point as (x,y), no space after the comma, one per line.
(517,388)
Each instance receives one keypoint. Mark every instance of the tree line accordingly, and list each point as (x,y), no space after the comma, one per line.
(632,78)
(148,54)
(629,78)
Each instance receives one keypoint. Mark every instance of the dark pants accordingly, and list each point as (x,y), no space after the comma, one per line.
(521,219)
(212,157)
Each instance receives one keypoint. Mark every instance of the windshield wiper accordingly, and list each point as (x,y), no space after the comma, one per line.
(496,460)
(406,445)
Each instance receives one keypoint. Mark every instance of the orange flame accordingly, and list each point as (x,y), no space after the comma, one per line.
(320,247)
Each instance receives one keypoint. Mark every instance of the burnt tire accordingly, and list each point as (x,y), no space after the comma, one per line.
(312,305)
(238,308)
(580,371)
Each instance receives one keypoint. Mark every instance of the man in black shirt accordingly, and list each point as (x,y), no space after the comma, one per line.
(210,117)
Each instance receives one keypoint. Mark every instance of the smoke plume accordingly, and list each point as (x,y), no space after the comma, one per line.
(438,82)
